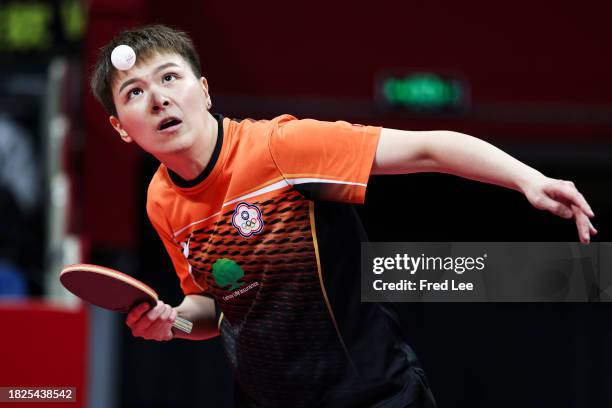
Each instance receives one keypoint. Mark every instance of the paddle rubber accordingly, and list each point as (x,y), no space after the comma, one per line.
(112,290)
(106,288)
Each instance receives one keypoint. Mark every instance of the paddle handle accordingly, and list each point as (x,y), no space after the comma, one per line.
(183,325)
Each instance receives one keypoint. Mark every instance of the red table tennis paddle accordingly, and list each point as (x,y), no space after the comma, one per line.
(111,289)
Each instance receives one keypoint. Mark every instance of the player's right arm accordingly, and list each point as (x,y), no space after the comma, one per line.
(156,323)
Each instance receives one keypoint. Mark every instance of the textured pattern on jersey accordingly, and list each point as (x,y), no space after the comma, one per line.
(280,331)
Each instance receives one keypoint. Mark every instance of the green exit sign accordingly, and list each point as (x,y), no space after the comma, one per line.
(422,92)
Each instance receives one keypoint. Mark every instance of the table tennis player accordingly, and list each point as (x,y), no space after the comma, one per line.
(256,217)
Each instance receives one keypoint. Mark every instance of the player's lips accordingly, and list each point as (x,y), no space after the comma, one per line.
(169,124)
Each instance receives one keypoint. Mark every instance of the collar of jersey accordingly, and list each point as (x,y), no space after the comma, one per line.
(183,184)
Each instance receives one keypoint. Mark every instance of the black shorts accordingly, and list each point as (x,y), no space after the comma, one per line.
(416,394)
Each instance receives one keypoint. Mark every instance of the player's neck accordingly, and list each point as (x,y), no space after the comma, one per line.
(191,164)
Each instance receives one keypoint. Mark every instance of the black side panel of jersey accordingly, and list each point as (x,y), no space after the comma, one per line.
(388,370)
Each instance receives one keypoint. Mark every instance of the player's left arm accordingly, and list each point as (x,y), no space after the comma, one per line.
(402,152)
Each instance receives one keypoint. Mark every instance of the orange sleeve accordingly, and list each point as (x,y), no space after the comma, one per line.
(325,160)
(181,266)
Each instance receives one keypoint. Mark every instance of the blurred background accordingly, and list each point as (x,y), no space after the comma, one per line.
(534,78)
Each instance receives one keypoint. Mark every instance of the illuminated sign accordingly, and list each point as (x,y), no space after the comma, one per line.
(422,92)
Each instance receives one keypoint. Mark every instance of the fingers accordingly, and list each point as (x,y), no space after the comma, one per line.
(567,191)
(156,324)
(136,313)
(556,207)
(581,211)
(165,315)
(583,224)
(563,199)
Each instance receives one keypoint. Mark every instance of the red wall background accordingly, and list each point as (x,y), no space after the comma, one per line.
(44,345)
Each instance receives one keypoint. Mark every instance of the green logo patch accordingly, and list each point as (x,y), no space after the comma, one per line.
(227,272)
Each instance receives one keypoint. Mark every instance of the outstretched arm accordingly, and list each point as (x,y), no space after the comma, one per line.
(402,152)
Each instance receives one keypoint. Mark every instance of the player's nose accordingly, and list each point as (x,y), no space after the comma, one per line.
(159,102)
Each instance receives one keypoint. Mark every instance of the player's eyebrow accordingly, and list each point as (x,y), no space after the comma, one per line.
(161,67)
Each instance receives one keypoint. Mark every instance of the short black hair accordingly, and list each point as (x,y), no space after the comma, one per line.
(145,41)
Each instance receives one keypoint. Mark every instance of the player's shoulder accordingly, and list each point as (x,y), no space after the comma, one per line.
(159,188)
(158,181)
(261,122)
(257,127)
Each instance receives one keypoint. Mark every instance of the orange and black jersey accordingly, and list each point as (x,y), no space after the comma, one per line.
(263,233)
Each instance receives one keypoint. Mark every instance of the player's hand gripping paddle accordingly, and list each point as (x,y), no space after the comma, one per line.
(112,290)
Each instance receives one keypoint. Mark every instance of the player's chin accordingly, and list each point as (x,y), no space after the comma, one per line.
(180,146)
(176,145)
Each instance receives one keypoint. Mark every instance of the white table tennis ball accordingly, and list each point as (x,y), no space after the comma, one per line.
(123,57)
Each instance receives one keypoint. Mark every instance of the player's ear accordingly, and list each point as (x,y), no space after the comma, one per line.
(204,84)
(117,126)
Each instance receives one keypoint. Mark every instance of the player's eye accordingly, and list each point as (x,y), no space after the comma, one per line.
(170,77)
(134,92)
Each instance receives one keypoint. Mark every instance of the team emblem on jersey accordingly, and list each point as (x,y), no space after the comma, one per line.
(247,219)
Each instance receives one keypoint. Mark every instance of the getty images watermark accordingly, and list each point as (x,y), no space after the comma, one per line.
(486,272)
